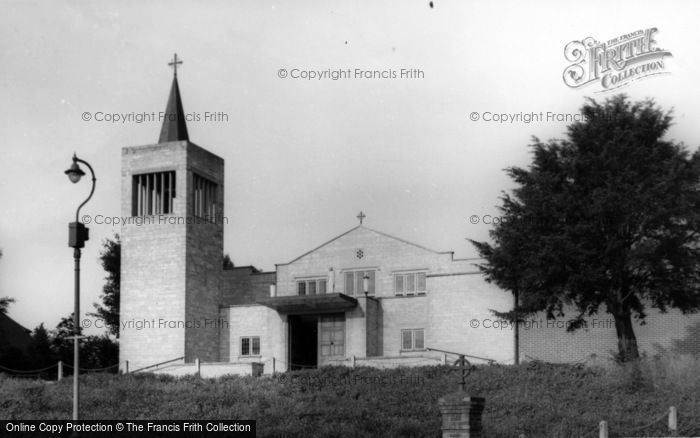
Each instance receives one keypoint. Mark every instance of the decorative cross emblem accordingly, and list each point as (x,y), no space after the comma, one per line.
(174,63)
(463,365)
(361,217)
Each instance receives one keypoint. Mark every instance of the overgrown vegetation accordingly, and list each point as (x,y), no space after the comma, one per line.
(535,399)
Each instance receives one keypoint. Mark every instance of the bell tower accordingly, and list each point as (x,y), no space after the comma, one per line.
(172,245)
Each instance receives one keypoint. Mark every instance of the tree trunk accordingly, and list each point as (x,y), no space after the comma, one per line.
(626,340)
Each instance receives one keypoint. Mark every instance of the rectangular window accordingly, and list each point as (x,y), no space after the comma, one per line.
(420,282)
(250,346)
(204,197)
(349,283)
(355,283)
(398,284)
(412,339)
(153,193)
(407,340)
(418,343)
(409,283)
(312,286)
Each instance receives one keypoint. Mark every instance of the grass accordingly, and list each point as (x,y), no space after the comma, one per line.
(535,399)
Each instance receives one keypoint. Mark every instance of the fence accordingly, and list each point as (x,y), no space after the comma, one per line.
(670,418)
(47,373)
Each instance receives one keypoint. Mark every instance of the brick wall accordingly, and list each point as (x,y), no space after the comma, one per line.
(245,285)
(550,341)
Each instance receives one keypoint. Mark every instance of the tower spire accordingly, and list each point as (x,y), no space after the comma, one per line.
(174,125)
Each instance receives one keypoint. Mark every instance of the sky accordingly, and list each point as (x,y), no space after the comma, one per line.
(303,155)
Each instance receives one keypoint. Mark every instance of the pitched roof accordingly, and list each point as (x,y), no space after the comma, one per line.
(13,334)
(373,231)
(174,125)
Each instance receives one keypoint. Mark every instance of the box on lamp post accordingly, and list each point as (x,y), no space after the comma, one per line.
(78,233)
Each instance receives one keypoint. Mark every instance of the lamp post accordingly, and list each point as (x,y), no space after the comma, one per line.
(77,235)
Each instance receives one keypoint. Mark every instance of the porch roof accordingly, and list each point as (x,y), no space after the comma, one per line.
(310,304)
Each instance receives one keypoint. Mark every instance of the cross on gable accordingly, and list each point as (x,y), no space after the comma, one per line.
(174,63)
(361,217)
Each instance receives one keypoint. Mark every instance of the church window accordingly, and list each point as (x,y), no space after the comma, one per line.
(412,339)
(204,199)
(153,193)
(250,346)
(409,283)
(312,286)
(354,283)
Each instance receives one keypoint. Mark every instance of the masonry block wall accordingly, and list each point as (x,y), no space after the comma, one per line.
(456,293)
(246,285)
(549,340)
(462,317)
(171,263)
(380,252)
(355,330)
(153,275)
(372,331)
(253,320)
(204,255)
(245,321)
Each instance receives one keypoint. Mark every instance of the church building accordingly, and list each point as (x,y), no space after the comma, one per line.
(363,298)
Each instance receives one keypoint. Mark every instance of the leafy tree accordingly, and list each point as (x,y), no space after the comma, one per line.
(5,301)
(95,351)
(228,263)
(60,344)
(604,220)
(41,347)
(108,311)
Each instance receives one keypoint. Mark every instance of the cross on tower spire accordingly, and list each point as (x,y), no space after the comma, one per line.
(174,63)
(174,123)
(361,217)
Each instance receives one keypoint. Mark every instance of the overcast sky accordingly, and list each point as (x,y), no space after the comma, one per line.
(303,157)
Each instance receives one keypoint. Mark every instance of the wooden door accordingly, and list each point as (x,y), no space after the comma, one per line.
(331,338)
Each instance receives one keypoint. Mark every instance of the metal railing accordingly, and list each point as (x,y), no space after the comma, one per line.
(157,364)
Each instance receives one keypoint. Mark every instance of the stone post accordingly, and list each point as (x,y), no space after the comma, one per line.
(461,415)
(673,420)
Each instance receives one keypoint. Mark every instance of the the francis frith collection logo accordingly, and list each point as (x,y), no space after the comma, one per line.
(616,62)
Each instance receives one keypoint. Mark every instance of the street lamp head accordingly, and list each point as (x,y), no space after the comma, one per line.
(74,172)
(365,284)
